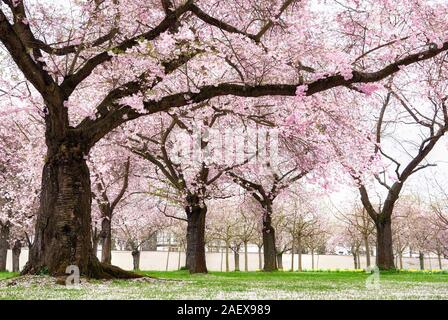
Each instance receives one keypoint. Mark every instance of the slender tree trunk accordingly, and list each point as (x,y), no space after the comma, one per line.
(260,261)
(236,255)
(355,260)
(136,259)
(227,257)
(421,258)
(95,241)
(16,250)
(280,260)
(358,256)
(299,255)
(168,256)
(439,258)
(4,237)
(292,253)
(196,239)
(312,259)
(270,252)
(367,246)
(246,262)
(178,258)
(400,256)
(63,235)
(384,248)
(106,239)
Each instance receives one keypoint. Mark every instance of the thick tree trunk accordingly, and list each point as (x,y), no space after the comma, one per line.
(63,234)
(16,250)
(384,248)
(270,252)
(106,240)
(4,237)
(280,260)
(246,262)
(196,239)
(236,256)
(136,259)
(421,258)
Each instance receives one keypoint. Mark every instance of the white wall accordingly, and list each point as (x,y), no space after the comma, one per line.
(156,260)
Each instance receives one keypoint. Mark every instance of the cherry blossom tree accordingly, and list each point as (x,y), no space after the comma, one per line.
(94,65)
(404,107)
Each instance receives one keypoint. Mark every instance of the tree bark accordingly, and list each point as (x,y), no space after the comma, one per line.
(236,255)
(299,255)
(136,259)
(4,237)
(280,260)
(355,260)
(196,239)
(16,250)
(260,260)
(106,240)
(439,258)
(63,235)
(292,254)
(400,257)
(421,258)
(227,257)
(367,246)
(270,252)
(246,263)
(358,256)
(384,248)
(312,259)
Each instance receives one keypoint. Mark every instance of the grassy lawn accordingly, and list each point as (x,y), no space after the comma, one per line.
(236,285)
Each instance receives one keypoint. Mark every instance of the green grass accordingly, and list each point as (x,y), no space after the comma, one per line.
(6,275)
(239,285)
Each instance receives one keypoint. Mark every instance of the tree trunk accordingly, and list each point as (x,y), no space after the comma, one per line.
(63,235)
(355,260)
(400,256)
(439,257)
(384,249)
(299,255)
(260,260)
(421,258)
(246,263)
(16,250)
(270,261)
(227,257)
(367,246)
(292,254)
(280,260)
(136,259)
(358,256)
(106,240)
(4,237)
(236,255)
(95,240)
(312,259)
(196,239)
